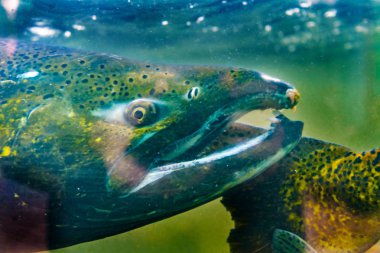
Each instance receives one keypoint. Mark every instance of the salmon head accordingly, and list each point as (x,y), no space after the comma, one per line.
(99,144)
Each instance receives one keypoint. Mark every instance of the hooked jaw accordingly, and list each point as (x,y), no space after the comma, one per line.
(250,91)
(243,158)
(255,94)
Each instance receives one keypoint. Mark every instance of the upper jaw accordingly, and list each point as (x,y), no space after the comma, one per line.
(192,145)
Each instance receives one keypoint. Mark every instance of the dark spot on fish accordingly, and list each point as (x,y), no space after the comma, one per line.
(130,80)
(81,106)
(357,160)
(85,81)
(68,82)
(187,82)
(80,74)
(144,76)
(64,65)
(47,96)
(47,66)
(102,102)
(107,79)
(115,82)
(65,72)
(82,62)
(99,88)
(148,66)
(101,66)
(376,160)
(151,92)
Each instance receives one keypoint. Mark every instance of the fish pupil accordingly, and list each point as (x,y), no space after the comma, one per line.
(138,114)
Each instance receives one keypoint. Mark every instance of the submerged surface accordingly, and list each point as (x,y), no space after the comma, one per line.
(329,49)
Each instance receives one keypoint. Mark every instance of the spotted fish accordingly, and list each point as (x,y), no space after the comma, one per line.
(92,145)
(322,197)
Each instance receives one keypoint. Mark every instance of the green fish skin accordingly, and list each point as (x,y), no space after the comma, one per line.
(93,145)
(323,193)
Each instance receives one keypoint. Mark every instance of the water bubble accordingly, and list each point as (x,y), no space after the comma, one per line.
(67,34)
(44,31)
(79,27)
(361,29)
(214,29)
(293,11)
(310,24)
(330,13)
(200,19)
(305,3)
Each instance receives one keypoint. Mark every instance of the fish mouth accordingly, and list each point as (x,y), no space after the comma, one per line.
(267,95)
(191,146)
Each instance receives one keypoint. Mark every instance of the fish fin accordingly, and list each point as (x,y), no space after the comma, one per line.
(287,242)
(256,205)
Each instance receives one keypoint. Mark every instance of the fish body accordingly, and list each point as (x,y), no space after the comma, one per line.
(92,145)
(322,197)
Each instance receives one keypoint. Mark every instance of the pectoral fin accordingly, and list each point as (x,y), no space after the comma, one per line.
(287,242)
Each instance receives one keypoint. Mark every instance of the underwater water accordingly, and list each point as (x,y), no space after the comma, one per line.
(329,49)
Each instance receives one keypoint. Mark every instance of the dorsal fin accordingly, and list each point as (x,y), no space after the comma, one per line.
(287,242)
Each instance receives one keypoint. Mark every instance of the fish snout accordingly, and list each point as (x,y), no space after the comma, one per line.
(293,95)
(288,96)
(264,92)
(254,90)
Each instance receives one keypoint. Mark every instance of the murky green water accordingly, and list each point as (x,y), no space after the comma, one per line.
(337,73)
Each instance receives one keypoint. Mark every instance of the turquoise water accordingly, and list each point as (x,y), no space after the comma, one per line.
(329,49)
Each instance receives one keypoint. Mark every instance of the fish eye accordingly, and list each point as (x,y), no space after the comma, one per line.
(141,113)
